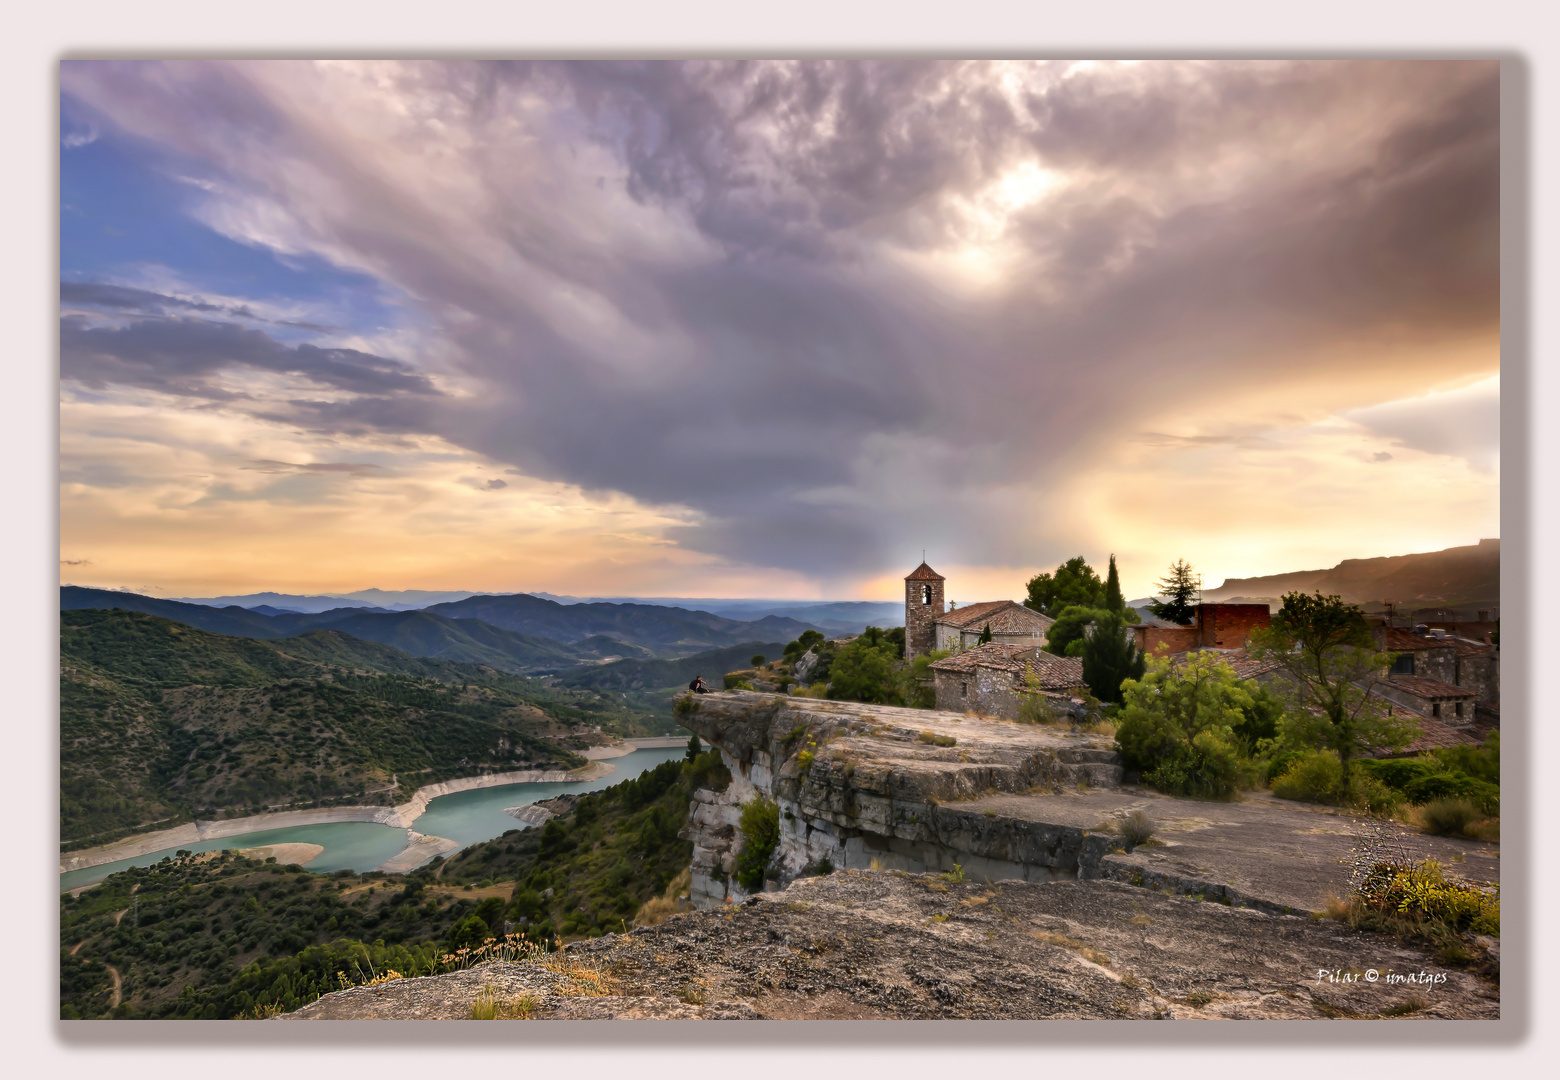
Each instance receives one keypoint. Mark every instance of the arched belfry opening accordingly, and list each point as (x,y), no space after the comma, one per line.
(923,605)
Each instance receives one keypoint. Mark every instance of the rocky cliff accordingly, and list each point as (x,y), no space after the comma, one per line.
(870,785)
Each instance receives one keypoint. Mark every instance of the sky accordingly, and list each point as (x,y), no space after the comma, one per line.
(617,327)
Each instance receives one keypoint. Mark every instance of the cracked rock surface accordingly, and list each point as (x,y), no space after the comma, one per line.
(886,944)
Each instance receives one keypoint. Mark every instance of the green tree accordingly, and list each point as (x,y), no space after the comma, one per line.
(1325,651)
(863,671)
(1110,656)
(757,661)
(796,649)
(469,933)
(1180,589)
(1074,584)
(1066,636)
(695,748)
(985,635)
(919,692)
(1114,600)
(1177,725)
(759,823)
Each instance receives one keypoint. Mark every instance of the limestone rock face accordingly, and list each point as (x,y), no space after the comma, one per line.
(863,785)
(885,944)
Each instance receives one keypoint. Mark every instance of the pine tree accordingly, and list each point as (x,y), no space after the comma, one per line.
(985,635)
(1180,586)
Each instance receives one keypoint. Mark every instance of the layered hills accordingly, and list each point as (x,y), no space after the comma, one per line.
(160,722)
(519,633)
(1462,577)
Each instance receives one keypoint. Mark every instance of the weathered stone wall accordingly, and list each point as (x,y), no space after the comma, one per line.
(920,616)
(1481,674)
(858,784)
(985,690)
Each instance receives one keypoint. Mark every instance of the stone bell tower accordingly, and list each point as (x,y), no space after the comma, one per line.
(923,605)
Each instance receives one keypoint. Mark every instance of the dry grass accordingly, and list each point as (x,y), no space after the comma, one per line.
(489,1006)
(674,901)
(1410,1004)
(1062,941)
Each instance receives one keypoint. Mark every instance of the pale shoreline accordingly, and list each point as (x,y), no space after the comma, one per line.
(400,816)
(628,746)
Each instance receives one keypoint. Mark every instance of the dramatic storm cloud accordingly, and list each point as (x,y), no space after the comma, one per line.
(777,327)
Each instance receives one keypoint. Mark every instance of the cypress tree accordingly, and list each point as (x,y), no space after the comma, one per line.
(1114,600)
(1110,657)
(985,635)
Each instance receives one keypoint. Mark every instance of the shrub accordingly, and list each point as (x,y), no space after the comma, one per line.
(760,826)
(1395,772)
(936,740)
(1208,767)
(1136,828)
(1369,794)
(1281,762)
(1480,762)
(1316,776)
(1036,707)
(1449,817)
(737,680)
(816,690)
(1440,786)
(1422,890)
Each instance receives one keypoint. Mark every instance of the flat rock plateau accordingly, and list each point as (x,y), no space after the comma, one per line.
(888,944)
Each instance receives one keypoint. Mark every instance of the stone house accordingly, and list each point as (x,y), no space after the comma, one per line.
(928,626)
(1429,698)
(1011,624)
(1434,655)
(992,679)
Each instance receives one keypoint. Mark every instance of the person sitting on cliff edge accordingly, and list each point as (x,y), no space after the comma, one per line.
(697,686)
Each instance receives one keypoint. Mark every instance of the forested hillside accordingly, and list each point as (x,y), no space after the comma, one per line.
(160,722)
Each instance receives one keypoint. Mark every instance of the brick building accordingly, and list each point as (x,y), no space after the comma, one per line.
(992,679)
(1214,626)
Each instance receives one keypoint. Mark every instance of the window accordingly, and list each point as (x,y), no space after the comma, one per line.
(1457,709)
(964,689)
(926,594)
(1435,710)
(1404,664)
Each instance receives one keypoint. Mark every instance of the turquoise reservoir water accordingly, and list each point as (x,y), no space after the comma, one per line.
(466,817)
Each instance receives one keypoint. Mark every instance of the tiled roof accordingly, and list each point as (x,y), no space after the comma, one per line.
(1005,617)
(1396,639)
(1428,688)
(1438,735)
(1247,666)
(1055,672)
(924,573)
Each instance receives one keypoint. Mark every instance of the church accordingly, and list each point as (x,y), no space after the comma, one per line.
(928,626)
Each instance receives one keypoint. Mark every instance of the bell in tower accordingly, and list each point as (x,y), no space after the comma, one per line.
(923,605)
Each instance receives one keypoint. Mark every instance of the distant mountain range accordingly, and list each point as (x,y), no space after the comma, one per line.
(1467,578)
(667,630)
(519,634)
(835,618)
